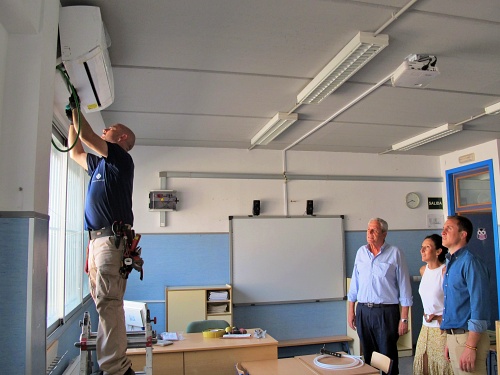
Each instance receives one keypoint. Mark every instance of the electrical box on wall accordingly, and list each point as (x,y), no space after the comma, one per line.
(163,200)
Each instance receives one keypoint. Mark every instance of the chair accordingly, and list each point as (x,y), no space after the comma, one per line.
(203,325)
(240,370)
(381,362)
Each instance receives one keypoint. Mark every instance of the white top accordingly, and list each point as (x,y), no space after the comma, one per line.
(431,292)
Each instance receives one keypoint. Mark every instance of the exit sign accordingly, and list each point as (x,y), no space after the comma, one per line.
(435,203)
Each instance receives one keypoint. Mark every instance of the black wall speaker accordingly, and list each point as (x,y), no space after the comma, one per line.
(310,207)
(256,208)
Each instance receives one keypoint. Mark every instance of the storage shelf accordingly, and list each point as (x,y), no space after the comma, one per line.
(189,303)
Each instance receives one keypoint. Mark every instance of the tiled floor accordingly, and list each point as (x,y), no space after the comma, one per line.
(406,365)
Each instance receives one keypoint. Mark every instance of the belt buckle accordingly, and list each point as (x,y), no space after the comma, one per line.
(370,304)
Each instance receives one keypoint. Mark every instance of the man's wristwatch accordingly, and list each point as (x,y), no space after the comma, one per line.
(404,321)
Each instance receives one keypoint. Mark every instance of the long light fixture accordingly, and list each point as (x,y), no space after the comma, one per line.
(279,123)
(493,109)
(364,47)
(429,136)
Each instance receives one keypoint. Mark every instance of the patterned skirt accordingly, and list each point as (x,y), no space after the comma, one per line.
(432,342)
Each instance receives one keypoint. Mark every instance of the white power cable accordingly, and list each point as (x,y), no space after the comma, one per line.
(394,17)
(356,362)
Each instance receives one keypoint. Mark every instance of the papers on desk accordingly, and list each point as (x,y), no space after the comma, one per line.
(164,342)
(237,336)
(169,336)
(218,295)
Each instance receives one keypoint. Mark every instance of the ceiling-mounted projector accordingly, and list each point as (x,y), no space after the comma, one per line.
(416,71)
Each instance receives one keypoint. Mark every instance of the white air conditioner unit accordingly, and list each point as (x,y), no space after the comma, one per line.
(84,53)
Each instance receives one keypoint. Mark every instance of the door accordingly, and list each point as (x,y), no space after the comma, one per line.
(471,193)
(184,307)
(482,244)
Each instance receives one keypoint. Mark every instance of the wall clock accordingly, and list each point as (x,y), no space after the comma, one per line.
(412,200)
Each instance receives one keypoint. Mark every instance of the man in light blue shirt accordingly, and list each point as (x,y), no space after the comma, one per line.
(466,299)
(380,283)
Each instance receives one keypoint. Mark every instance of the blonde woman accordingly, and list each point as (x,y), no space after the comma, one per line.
(429,353)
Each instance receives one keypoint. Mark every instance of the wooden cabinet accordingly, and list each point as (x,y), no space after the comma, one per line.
(405,346)
(187,304)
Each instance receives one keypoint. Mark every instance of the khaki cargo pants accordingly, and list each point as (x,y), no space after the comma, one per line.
(107,288)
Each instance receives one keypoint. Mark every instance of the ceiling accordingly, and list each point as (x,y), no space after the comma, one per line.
(198,73)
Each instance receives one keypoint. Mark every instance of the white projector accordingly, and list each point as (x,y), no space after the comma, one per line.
(411,74)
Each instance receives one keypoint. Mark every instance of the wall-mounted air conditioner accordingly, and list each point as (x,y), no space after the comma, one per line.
(84,53)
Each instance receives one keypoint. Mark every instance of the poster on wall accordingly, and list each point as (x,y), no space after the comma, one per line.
(435,221)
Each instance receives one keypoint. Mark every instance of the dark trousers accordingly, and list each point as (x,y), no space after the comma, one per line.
(378,331)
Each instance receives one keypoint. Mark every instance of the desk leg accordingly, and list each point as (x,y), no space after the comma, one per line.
(163,363)
(345,347)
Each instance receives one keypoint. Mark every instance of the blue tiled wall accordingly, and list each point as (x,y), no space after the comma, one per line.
(178,260)
(13,292)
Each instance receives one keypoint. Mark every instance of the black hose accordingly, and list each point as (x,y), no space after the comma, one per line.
(72,90)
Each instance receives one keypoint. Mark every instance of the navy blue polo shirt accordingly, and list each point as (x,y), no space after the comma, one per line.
(109,195)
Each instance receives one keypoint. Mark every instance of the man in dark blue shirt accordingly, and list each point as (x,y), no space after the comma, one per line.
(109,201)
(466,298)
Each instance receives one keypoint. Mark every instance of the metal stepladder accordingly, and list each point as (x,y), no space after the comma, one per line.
(135,339)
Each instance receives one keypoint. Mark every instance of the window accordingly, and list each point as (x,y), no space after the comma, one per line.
(472,190)
(67,283)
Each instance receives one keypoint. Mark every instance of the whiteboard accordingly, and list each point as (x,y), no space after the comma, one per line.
(287,259)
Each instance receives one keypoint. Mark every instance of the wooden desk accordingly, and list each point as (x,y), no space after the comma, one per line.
(343,340)
(283,366)
(302,365)
(198,355)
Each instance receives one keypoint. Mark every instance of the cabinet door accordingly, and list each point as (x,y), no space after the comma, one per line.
(183,307)
(405,347)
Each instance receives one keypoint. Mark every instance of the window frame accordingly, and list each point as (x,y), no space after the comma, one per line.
(67,286)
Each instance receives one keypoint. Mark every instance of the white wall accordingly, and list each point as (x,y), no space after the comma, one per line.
(27,96)
(4,39)
(28,42)
(23,16)
(206,204)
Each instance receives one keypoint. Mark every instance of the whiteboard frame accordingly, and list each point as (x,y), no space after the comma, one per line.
(341,260)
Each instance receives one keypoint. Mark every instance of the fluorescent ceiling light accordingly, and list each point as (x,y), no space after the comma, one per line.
(353,57)
(429,136)
(493,109)
(279,123)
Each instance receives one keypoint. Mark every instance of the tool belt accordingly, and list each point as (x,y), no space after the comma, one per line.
(131,259)
(104,232)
